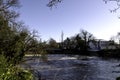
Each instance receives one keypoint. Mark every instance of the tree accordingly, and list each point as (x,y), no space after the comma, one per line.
(72,42)
(15,39)
(52,3)
(7,11)
(52,43)
(79,42)
(67,43)
(86,37)
(14,44)
(117,3)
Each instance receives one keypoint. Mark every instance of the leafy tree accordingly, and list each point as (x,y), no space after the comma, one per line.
(72,42)
(87,38)
(7,22)
(52,43)
(15,42)
(67,43)
(15,39)
(79,42)
(7,11)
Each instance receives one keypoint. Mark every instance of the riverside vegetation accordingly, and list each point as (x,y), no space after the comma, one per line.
(16,41)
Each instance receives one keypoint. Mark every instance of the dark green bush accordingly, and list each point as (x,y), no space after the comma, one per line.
(118,78)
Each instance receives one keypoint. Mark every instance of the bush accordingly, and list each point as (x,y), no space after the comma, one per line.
(10,72)
(118,78)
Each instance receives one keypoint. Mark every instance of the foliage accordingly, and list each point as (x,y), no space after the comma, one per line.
(87,38)
(80,41)
(52,43)
(10,39)
(118,78)
(15,42)
(7,11)
(15,39)
(11,72)
(67,43)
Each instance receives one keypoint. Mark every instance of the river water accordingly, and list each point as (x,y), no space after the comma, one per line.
(75,67)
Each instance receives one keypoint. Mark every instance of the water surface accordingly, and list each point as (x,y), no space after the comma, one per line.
(74,67)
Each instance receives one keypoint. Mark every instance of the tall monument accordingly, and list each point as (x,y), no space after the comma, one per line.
(62,35)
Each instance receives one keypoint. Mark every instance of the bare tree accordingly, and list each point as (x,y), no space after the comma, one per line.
(117,3)
(52,3)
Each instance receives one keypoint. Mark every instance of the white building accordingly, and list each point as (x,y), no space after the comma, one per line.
(101,45)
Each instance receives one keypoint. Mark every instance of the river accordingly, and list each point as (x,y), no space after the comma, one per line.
(75,67)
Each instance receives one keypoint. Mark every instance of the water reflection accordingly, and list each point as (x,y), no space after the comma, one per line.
(73,67)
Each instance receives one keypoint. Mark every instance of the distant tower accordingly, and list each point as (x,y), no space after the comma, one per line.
(62,35)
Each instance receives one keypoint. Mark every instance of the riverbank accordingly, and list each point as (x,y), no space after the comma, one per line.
(111,53)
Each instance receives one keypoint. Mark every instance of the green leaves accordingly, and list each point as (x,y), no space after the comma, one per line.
(10,72)
(15,42)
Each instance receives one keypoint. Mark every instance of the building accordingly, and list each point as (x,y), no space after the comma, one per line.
(101,45)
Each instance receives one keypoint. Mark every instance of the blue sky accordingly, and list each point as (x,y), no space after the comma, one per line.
(70,16)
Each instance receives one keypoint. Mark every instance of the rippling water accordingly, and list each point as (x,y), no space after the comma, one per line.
(74,67)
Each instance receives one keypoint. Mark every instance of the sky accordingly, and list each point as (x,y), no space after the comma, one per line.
(70,16)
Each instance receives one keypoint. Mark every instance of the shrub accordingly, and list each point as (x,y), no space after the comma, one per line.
(10,72)
(118,78)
